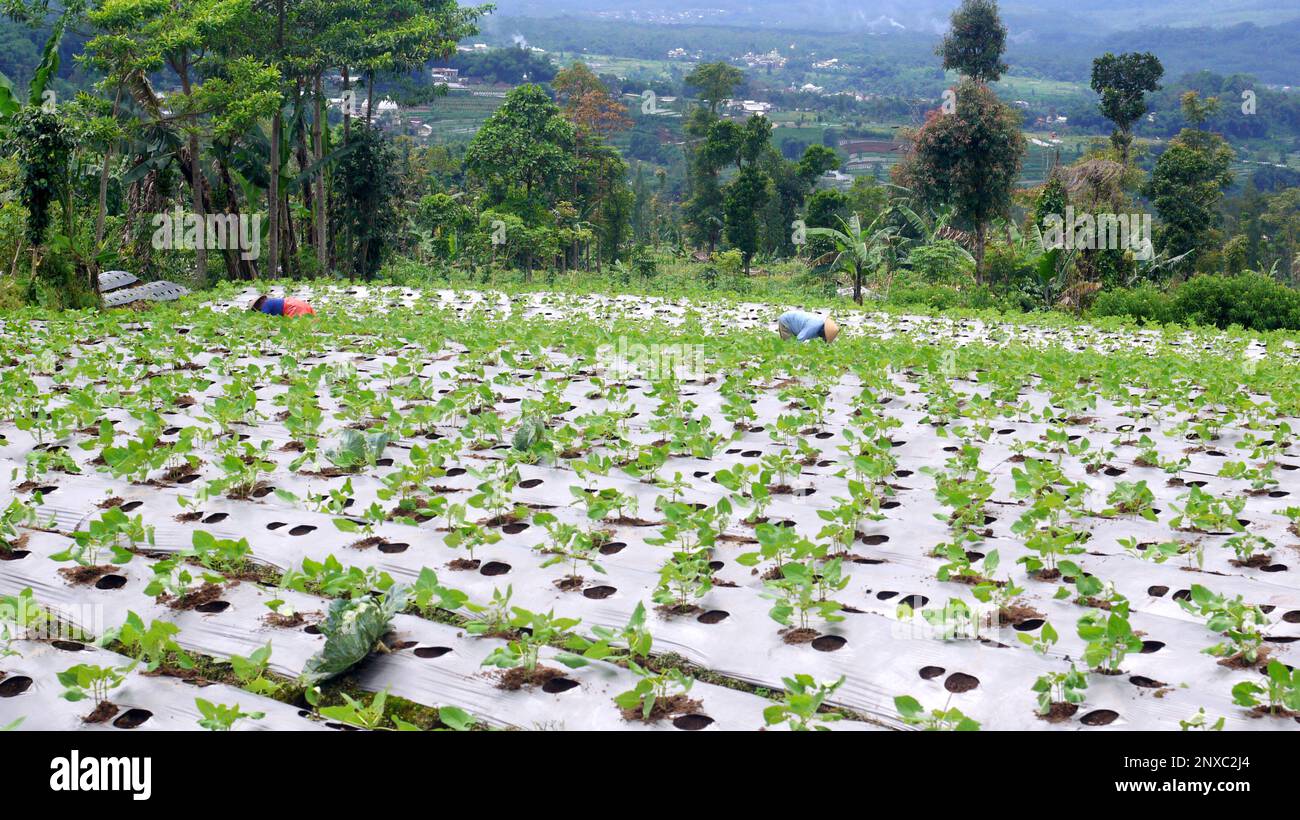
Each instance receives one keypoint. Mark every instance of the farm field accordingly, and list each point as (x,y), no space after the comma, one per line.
(476,509)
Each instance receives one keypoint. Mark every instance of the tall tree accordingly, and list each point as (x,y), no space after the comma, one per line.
(1187,185)
(1123,82)
(714,82)
(526,142)
(969,160)
(974,45)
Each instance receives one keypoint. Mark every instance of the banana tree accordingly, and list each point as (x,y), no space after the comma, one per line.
(881,244)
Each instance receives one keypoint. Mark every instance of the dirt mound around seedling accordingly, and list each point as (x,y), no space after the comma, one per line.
(664,708)
(80,576)
(512,680)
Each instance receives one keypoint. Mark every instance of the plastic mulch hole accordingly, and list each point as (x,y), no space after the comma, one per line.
(110,582)
(555,686)
(216,518)
(430,652)
(530,483)
(714,616)
(959,682)
(494,568)
(132,718)
(599,592)
(612,548)
(302,529)
(930,672)
(391,548)
(131,505)
(692,723)
(1100,717)
(213,607)
(829,643)
(68,646)
(14,686)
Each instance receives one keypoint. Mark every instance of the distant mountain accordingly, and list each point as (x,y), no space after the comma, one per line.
(1042,16)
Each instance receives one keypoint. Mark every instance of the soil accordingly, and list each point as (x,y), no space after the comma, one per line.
(634,522)
(80,576)
(665,708)
(463,564)
(674,610)
(1265,711)
(185,518)
(326,472)
(205,594)
(569,583)
(1254,561)
(104,711)
(110,503)
(177,472)
(799,635)
(293,447)
(284,621)
(737,539)
(1047,574)
(512,680)
(367,543)
(1094,603)
(1015,615)
(1239,661)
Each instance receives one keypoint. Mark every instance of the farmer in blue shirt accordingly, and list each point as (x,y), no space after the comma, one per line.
(796,324)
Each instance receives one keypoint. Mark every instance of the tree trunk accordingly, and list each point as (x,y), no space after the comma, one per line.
(273,190)
(196,186)
(321,203)
(103,184)
(981,231)
(370,97)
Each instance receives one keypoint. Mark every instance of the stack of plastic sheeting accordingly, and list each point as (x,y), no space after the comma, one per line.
(111,280)
(160,291)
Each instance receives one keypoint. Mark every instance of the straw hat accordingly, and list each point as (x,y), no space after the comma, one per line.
(831,330)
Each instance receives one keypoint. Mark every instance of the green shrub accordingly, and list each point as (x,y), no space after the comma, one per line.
(1146,302)
(942,297)
(1250,300)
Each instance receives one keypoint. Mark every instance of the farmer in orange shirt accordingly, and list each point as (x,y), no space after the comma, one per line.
(287,306)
